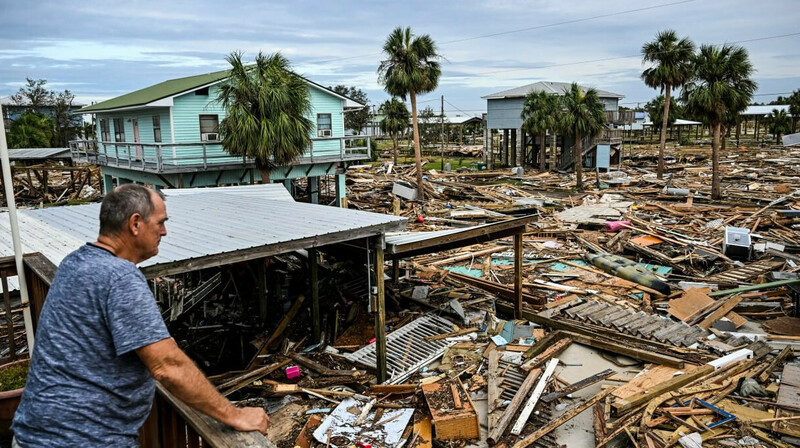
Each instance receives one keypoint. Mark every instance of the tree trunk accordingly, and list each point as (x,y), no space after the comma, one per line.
(723,142)
(417,149)
(265,172)
(663,143)
(542,152)
(716,192)
(553,158)
(578,161)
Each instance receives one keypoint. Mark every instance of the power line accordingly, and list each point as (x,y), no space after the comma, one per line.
(550,25)
(777,36)
(568,22)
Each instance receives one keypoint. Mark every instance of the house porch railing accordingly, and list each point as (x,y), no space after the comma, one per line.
(194,156)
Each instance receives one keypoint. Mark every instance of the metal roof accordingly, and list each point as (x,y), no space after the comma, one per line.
(170,88)
(460,119)
(764,110)
(38,153)
(556,88)
(204,227)
(275,192)
(417,243)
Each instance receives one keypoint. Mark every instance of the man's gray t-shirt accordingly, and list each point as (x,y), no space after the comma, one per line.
(86,385)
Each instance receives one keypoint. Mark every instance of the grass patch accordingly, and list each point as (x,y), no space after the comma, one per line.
(14,377)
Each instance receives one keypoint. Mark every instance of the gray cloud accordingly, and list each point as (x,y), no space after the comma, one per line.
(99,49)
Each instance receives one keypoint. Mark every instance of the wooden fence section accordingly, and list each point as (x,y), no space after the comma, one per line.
(173,424)
(39,273)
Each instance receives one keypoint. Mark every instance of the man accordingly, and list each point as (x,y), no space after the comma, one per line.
(101,341)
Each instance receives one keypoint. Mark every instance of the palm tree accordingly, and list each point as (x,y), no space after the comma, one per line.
(672,68)
(779,123)
(794,108)
(395,121)
(411,67)
(583,115)
(539,116)
(266,108)
(30,130)
(721,86)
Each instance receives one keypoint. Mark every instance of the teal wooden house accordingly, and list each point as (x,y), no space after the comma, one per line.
(167,135)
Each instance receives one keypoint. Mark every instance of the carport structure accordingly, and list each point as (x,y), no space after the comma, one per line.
(408,245)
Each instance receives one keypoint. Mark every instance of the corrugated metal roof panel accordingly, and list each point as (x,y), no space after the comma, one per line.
(265,191)
(764,110)
(38,153)
(557,88)
(209,223)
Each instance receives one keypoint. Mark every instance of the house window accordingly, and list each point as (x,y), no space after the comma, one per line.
(119,130)
(203,91)
(324,128)
(157,128)
(209,126)
(105,135)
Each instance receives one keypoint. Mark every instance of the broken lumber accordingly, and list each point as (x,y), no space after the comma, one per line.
(588,381)
(593,339)
(497,432)
(785,353)
(569,415)
(553,350)
(247,378)
(534,398)
(721,311)
(279,330)
(622,405)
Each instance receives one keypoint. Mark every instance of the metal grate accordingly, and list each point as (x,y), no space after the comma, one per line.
(406,348)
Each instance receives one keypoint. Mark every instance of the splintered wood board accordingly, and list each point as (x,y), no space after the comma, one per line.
(653,377)
(450,423)
(693,302)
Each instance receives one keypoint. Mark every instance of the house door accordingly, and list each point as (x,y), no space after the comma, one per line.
(135,124)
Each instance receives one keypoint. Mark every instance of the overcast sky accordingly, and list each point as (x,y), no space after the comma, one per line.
(102,49)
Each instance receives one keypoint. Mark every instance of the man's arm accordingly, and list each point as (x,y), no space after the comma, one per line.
(170,366)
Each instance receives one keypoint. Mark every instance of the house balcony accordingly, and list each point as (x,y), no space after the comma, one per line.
(169,158)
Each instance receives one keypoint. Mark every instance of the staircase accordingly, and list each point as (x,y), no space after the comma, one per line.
(192,298)
(567,158)
(611,137)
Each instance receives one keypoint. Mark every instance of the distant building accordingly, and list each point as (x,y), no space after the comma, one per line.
(504,113)
(12,111)
(167,135)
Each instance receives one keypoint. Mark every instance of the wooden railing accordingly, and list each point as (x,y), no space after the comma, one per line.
(39,273)
(173,424)
(184,157)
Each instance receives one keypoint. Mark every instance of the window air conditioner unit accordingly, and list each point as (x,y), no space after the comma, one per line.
(210,137)
(324,133)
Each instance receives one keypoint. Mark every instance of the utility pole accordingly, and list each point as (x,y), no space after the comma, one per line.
(442,135)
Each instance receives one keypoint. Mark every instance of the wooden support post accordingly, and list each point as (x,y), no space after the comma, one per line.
(395,271)
(313,257)
(380,312)
(261,284)
(518,275)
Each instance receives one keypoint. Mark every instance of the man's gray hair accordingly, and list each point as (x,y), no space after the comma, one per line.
(121,203)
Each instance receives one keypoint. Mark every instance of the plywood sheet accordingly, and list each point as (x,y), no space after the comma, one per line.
(655,375)
(690,305)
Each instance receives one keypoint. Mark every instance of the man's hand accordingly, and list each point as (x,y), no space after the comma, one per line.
(251,419)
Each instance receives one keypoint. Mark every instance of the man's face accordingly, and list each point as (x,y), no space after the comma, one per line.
(152,229)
